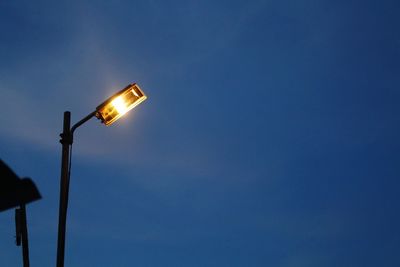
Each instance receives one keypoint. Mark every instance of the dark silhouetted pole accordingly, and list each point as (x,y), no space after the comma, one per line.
(66,141)
(22,233)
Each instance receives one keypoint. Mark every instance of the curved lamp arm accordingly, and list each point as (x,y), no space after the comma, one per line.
(82,121)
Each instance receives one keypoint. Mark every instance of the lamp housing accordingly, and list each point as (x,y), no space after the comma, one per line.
(120,103)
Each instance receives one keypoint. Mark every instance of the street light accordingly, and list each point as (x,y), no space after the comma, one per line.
(108,112)
(15,191)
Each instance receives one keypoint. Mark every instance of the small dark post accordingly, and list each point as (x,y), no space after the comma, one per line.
(66,141)
(22,233)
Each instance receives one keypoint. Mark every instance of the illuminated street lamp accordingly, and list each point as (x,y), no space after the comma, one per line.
(119,104)
(108,112)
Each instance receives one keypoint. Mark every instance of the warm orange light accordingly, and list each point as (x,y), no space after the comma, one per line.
(120,103)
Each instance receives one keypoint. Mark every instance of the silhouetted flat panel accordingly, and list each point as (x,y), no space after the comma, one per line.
(15,191)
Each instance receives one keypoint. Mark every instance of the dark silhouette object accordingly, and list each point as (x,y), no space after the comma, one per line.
(17,192)
(67,137)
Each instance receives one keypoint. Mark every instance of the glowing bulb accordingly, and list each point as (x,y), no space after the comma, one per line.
(119,105)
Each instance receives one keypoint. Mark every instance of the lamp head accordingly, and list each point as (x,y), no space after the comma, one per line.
(15,191)
(120,103)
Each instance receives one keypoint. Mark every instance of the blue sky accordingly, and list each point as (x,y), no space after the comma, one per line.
(269,137)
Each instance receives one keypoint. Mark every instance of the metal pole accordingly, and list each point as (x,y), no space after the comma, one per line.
(24,235)
(66,141)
